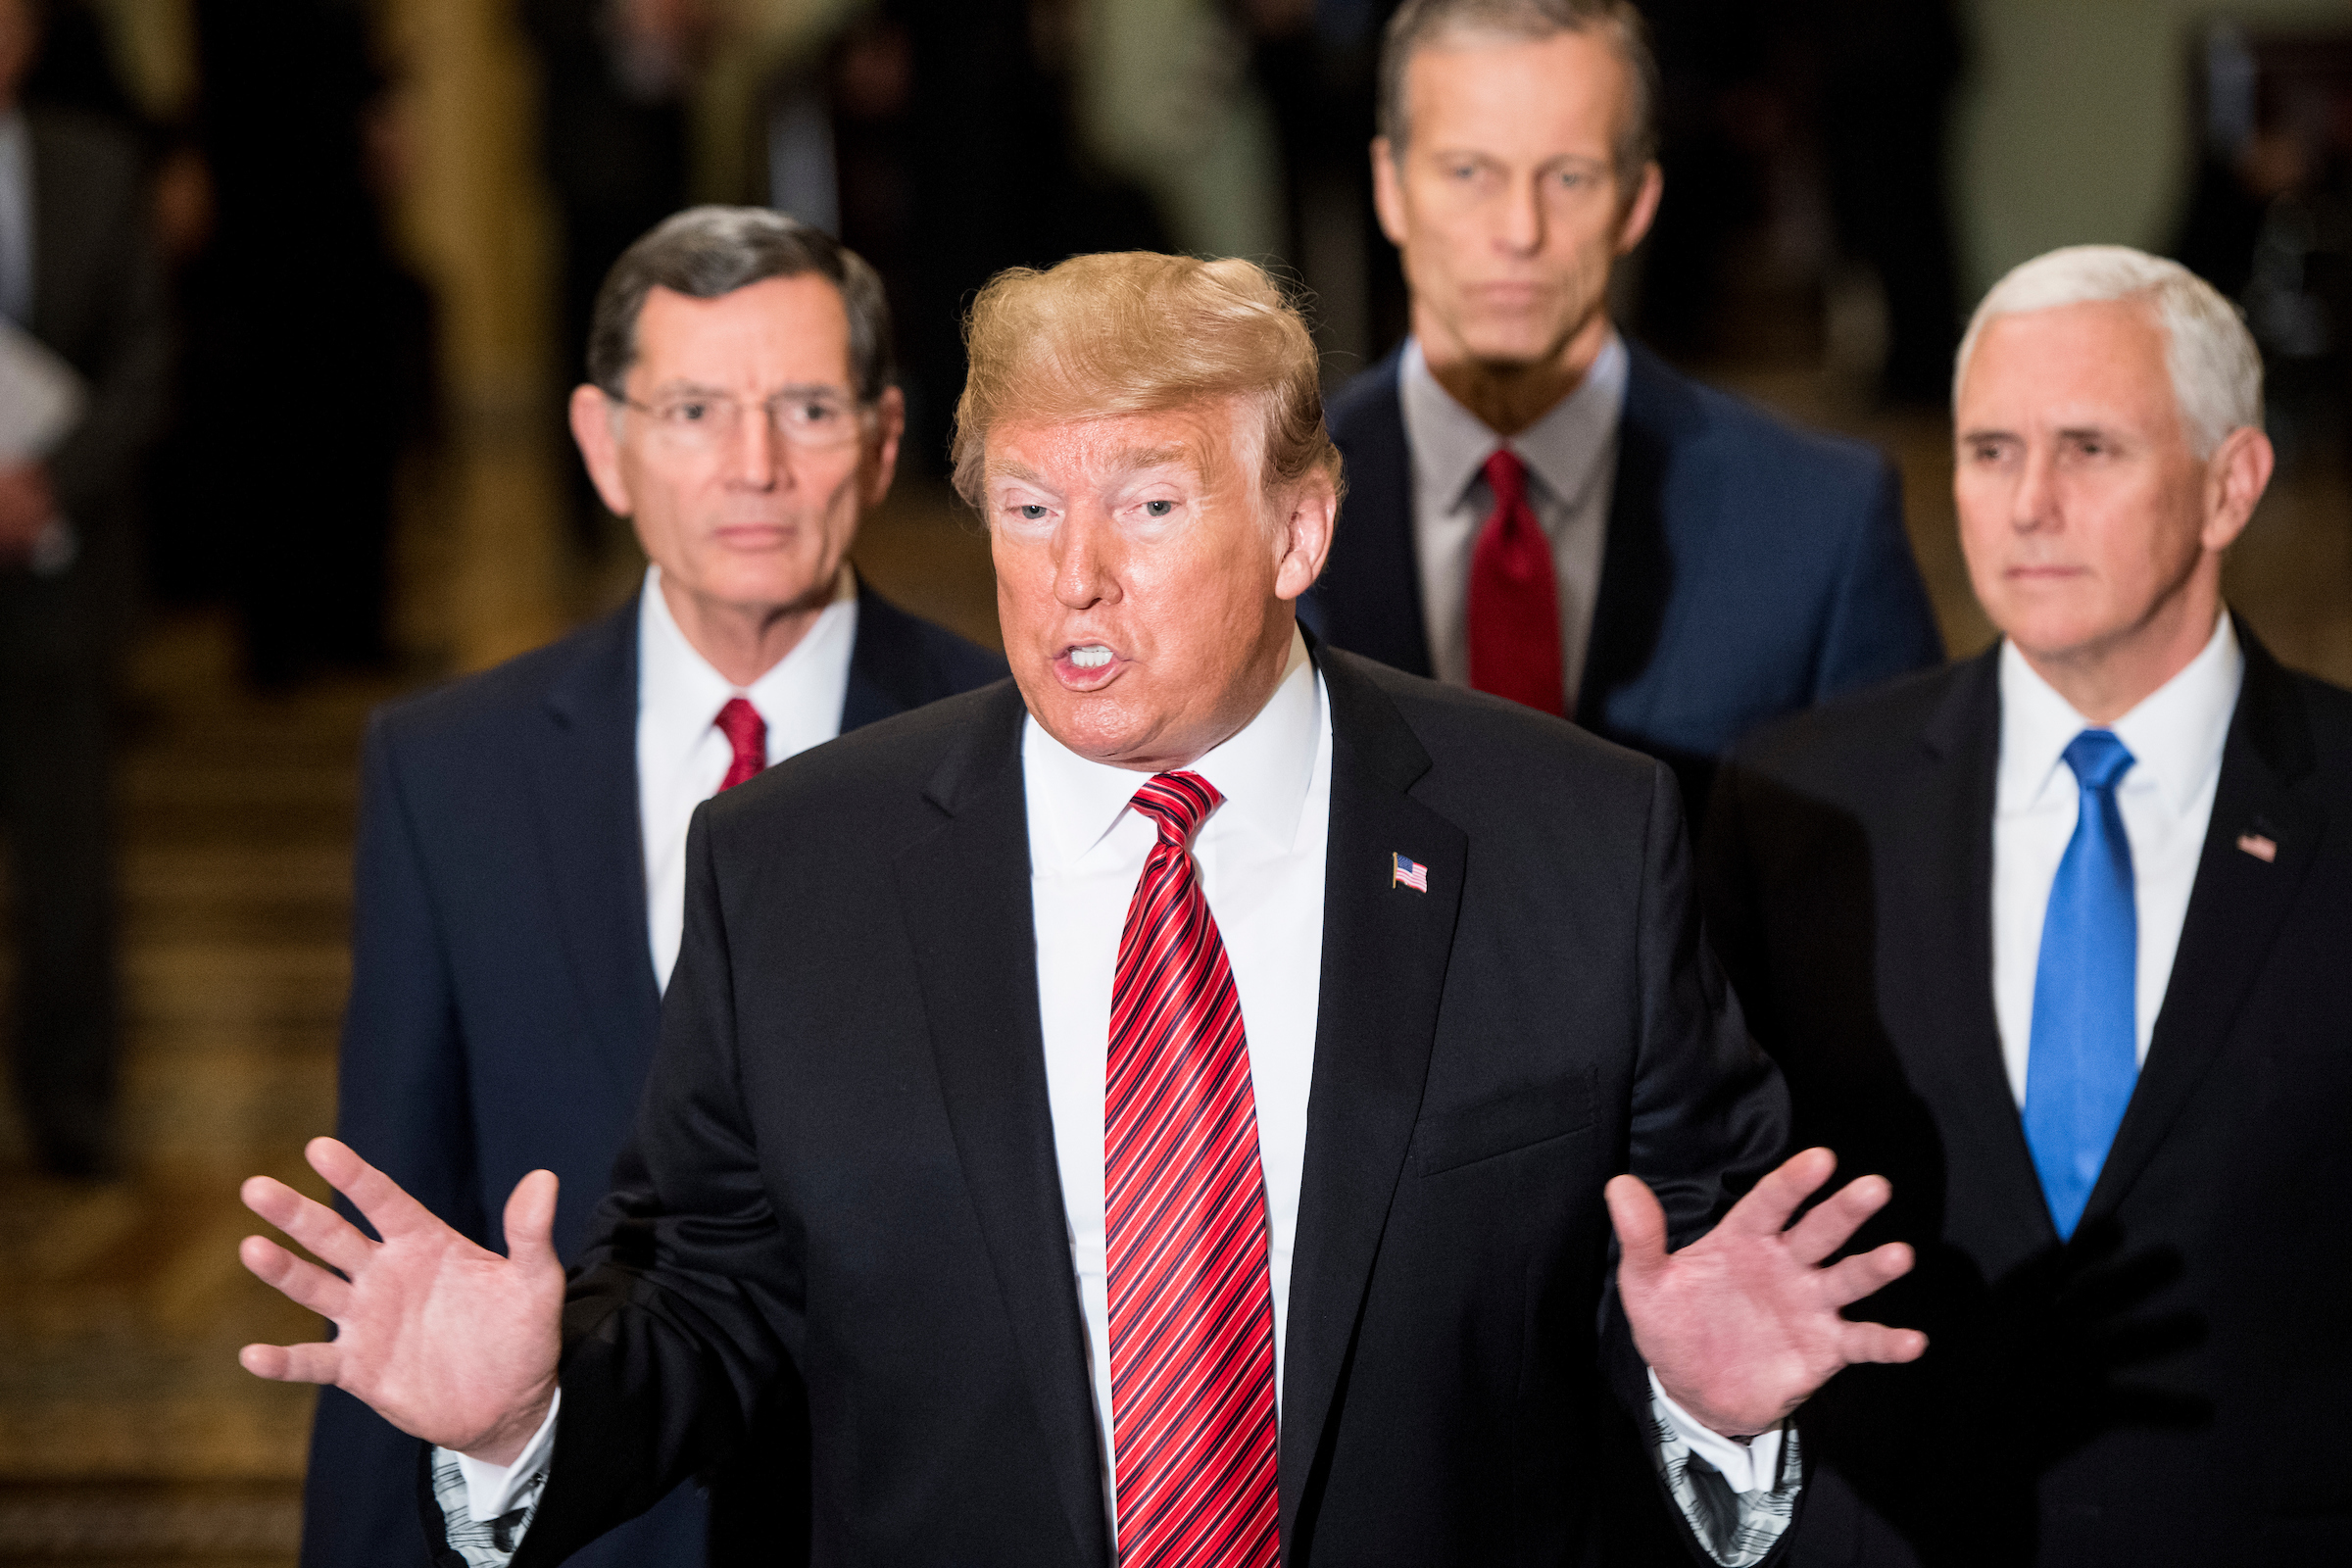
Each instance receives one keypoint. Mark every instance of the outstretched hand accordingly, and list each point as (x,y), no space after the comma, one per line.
(1743,1325)
(448,1341)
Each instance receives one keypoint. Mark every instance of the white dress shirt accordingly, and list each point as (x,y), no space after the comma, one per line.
(2175,737)
(1260,862)
(682,755)
(1571,456)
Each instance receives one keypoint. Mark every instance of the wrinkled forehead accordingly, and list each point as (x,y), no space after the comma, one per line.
(1208,442)
(2070,364)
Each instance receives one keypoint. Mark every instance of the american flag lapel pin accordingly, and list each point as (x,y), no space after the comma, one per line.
(1409,873)
(2260,846)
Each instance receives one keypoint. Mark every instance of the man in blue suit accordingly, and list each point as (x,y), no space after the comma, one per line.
(521,875)
(1538,508)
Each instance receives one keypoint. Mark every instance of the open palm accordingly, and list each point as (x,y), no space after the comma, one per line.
(1743,1325)
(448,1341)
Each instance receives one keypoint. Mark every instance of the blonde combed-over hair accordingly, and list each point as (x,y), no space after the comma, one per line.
(1131,332)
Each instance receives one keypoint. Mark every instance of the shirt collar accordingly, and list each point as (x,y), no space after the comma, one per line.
(680,693)
(1262,770)
(2174,735)
(1566,450)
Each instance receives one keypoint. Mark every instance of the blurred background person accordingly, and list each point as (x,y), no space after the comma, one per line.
(77,275)
(521,870)
(310,368)
(1537,508)
(2054,938)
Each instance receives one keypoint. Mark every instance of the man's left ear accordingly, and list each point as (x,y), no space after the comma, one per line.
(890,425)
(1643,210)
(2236,476)
(1309,508)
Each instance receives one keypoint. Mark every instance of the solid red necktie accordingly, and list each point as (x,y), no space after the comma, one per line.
(1515,598)
(747,733)
(1192,1305)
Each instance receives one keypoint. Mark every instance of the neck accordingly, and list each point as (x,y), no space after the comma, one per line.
(743,642)
(1508,398)
(2103,681)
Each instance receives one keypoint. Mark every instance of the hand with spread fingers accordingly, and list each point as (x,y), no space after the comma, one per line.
(1743,1325)
(448,1341)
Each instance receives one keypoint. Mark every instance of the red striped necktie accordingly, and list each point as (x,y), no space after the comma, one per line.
(1191,1305)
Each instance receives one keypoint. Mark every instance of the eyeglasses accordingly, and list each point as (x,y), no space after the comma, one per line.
(700,423)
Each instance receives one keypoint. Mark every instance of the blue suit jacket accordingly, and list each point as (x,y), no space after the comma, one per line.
(1750,570)
(503,1003)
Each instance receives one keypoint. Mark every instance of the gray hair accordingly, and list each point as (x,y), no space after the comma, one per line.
(705,252)
(1419,24)
(2216,369)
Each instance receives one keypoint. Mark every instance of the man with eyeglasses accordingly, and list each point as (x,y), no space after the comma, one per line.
(521,863)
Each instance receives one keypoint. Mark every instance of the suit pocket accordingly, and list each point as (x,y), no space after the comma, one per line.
(1509,1122)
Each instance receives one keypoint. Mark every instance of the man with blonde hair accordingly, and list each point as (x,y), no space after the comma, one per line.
(1159,1107)
(2056,938)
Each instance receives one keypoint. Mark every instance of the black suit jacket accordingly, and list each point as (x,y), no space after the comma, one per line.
(844,1170)
(2172,1386)
(1750,569)
(502,1004)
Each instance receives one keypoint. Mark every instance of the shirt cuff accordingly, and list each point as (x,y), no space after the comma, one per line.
(1750,1466)
(495,1490)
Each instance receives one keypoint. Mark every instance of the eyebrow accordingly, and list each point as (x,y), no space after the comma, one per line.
(681,387)
(1124,461)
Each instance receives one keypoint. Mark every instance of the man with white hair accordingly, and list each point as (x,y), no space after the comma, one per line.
(2056,938)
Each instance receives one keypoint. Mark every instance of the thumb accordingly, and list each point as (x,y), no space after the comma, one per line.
(1640,1226)
(531,1220)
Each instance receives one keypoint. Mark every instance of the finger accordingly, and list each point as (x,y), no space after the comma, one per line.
(327,1234)
(1640,1226)
(1765,1210)
(291,1363)
(303,1283)
(1850,1279)
(1827,1226)
(1876,1341)
(531,1220)
(390,1208)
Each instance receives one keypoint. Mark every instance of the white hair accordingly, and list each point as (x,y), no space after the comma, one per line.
(2216,369)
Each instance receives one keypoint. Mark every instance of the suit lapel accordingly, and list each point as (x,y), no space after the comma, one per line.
(886,665)
(1385,954)
(964,891)
(1659,514)
(1949,965)
(1370,599)
(584,776)
(2233,910)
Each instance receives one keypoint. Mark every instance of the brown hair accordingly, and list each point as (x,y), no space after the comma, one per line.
(1137,332)
(707,252)
(1418,23)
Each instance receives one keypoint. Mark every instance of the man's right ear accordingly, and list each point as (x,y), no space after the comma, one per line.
(594,425)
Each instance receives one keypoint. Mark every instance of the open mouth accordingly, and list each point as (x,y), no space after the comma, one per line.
(1083,666)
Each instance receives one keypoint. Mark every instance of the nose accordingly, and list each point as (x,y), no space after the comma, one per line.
(2034,506)
(1521,221)
(1085,557)
(757,454)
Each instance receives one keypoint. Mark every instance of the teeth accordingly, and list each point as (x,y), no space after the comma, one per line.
(1093,656)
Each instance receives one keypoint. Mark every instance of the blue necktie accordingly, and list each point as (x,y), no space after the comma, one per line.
(2083,1056)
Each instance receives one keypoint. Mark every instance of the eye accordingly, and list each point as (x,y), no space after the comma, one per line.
(690,413)
(1031,513)
(1158,508)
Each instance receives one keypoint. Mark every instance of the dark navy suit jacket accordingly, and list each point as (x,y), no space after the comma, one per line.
(502,1004)
(1750,570)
